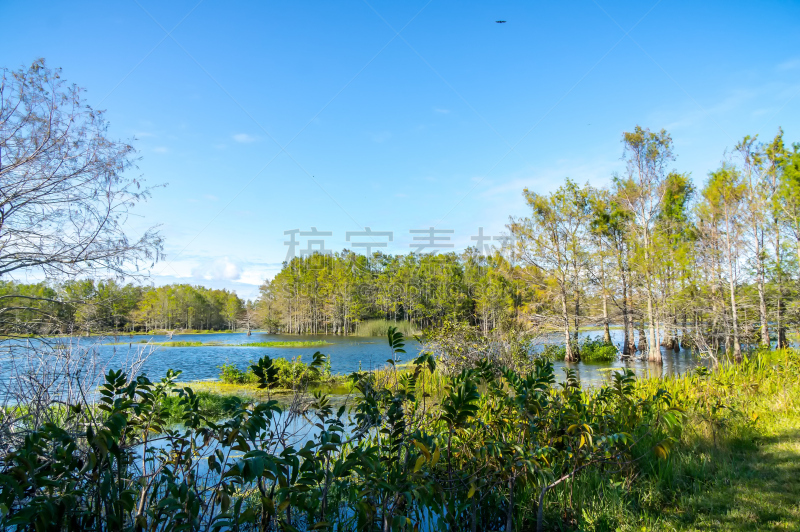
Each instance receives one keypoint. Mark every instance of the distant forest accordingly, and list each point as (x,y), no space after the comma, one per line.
(86,306)
(672,261)
(710,265)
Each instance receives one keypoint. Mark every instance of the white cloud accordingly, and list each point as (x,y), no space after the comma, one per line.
(160,149)
(442,111)
(252,277)
(244,138)
(211,197)
(790,64)
(222,269)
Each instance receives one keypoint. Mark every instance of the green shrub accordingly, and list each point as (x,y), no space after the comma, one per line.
(554,352)
(591,350)
(291,373)
(597,350)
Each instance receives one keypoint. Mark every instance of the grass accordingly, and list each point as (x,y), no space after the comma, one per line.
(161,344)
(241,384)
(285,344)
(735,465)
(335,386)
(748,484)
(381,327)
(750,480)
(212,405)
(220,344)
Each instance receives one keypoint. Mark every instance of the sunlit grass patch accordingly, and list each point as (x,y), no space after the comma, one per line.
(316,343)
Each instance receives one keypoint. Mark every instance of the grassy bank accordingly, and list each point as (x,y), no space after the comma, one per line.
(220,344)
(488,449)
(735,465)
(317,343)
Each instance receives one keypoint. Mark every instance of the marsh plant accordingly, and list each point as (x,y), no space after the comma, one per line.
(483,456)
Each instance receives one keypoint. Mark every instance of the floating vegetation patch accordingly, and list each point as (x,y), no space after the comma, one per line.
(285,344)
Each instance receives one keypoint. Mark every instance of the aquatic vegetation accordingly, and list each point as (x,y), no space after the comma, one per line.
(381,327)
(495,449)
(596,350)
(590,350)
(161,344)
(289,374)
(315,343)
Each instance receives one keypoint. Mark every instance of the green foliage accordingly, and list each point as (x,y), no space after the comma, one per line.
(387,461)
(595,350)
(553,352)
(379,327)
(278,373)
(316,343)
(591,350)
(348,293)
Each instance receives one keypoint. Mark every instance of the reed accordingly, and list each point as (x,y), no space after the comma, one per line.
(381,327)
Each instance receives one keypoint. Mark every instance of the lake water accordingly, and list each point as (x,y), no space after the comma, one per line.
(346,353)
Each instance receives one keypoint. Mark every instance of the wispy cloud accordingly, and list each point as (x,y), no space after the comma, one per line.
(441,111)
(244,138)
(791,64)
(160,149)
(222,269)
(252,277)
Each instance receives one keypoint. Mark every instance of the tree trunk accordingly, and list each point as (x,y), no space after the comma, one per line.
(654,349)
(569,355)
(606,332)
(510,511)
(642,337)
(762,302)
(737,349)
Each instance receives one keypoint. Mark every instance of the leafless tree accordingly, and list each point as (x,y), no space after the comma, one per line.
(65,186)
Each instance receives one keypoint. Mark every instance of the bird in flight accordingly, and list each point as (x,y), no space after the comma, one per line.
(500,21)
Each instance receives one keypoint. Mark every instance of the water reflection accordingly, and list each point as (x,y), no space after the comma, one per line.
(347,354)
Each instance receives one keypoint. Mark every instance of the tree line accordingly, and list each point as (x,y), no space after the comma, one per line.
(320,294)
(713,266)
(89,306)
(709,266)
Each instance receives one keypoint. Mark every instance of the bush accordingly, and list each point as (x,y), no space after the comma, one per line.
(591,350)
(553,352)
(291,373)
(597,351)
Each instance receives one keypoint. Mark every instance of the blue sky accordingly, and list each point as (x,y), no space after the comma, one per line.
(262,117)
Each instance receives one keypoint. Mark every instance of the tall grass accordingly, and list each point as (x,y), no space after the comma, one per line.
(381,327)
(285,344)
(728,467)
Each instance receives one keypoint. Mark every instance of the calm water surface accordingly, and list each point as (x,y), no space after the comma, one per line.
(347,354)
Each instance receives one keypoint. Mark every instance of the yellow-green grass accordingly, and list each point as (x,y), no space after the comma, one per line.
(336,386)
(735,466)
(432,383)
(381,327)
(315,343)
(220,344)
